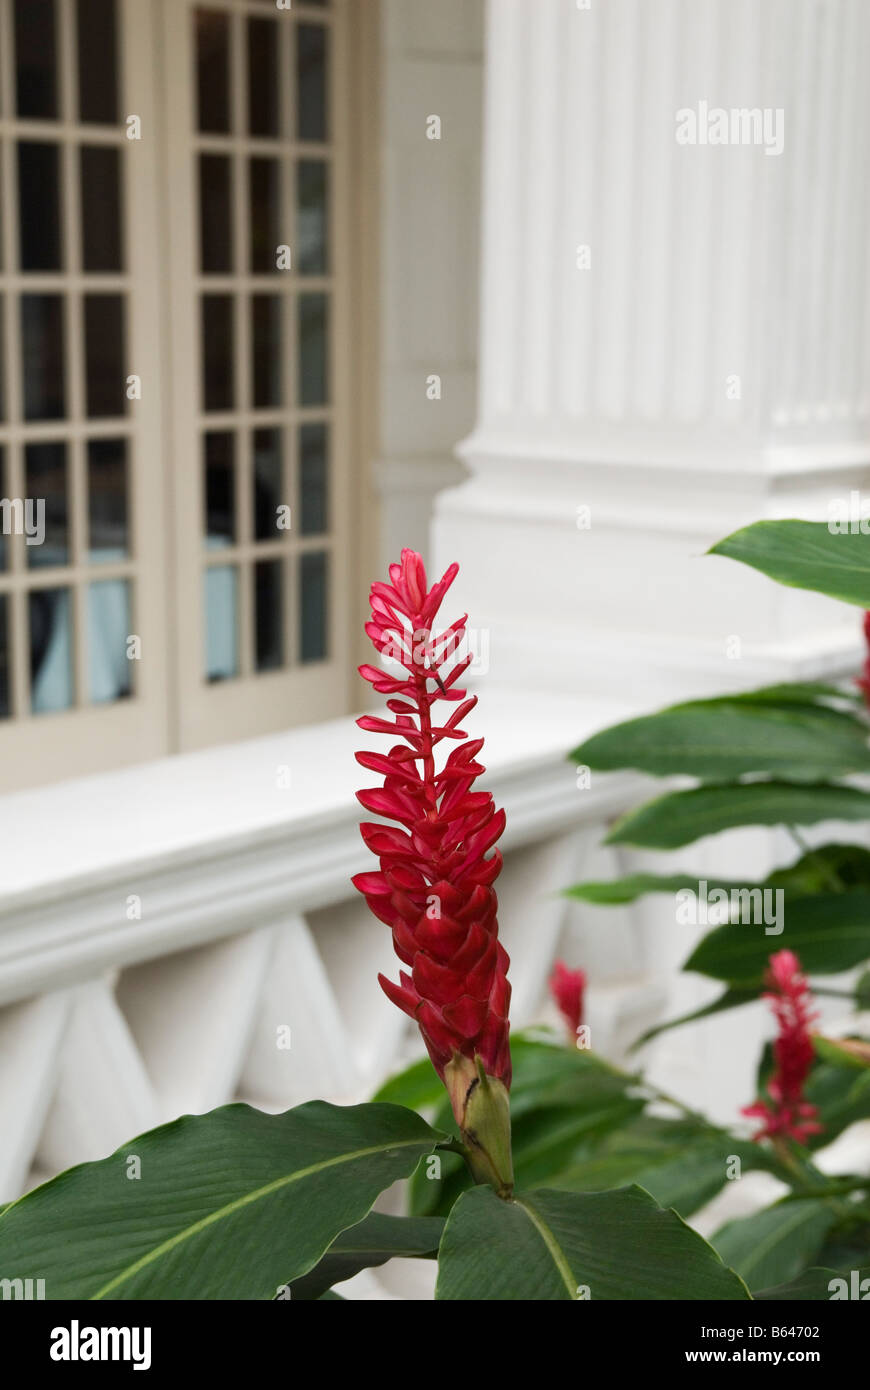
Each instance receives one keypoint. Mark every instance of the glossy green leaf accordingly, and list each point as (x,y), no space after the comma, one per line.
(774,1246)
(829,932)
(817,1285)
(805,555)
(634,886)
(230,1205)
(679,818)
(544,1246)
(725,738)
(419,1086)
(376,1239)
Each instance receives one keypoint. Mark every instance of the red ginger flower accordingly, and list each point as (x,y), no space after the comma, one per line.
(863,681)
(786,1113)
(434,888)
(567,988)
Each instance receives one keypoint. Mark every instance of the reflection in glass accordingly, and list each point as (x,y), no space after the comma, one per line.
(266,350)
(107,500)
(267,484)
(39,205)
(213,70)
(98,61)
(262,77)
(313,373)
(5,657)
(221,622)
(220,495)
(109,668)
(268,617)
(311,217)
(101,207)
(45,483)
(313,479)
(313,600)
(265,189)
(36,59)
(311,81)
(215,214)
(42,356)
(218,316)
(104,354)
(49,613)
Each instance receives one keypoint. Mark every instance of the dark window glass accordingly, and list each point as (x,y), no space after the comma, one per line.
(213,70)
(313,359)
(311,81)
(36,59)
(267,485)
(98,61)
(268,614)
(109,668)
(313,601)
(313,472)
(312,214)
(46,488)
(218,315)
(220,489)
(107,500)
(49,614)
(215,214)
(42,356)
(101,207)
(39,205)
(266,350)
(104,355)
(265,188)
(262,77)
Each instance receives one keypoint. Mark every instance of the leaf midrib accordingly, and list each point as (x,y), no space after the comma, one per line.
(243,1201)
(554,1249)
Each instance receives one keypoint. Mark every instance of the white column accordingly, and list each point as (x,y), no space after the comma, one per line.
(705,362)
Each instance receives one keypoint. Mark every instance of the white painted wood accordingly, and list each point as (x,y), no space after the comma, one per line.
(31,1035)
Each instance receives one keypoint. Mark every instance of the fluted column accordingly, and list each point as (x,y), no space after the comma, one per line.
(674,336)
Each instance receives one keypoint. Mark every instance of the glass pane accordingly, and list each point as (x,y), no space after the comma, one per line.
(313,606)
(311,217)
(265,176)
(215,214)
(313,371)
(42,356)
(107,500)
(313,472)
(109,668)
(49,613)
(104,354)
(4,657)
(35,58)
(213,70)
(218,313)
(266,349)
(45,472)
(101,207)
(98,61)
(39,206)
(221,622)
(267,485)
(262,77)
(220,493)
(269,614)
(311,80)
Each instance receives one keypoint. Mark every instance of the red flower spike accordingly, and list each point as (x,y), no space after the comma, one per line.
(567,988)
(785,1113)
(434,888)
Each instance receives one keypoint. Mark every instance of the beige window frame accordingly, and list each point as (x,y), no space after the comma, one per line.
(173,707)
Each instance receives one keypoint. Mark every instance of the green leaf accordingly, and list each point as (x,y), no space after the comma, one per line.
(774,1246)
(731,999)
(842,1098)
(851,1053)
(725,738)
(815,1286)
(829,932)
(230,1205)
(679,818)
(804,555)
(634,886)
(418,1086)
(542,1246)
(373,1241)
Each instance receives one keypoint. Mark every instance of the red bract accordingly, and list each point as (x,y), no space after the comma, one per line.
(434,888)
(863,681)
(567,988)
(786,1113)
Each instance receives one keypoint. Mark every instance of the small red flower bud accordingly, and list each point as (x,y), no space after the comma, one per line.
(567,988)
(434,888)
(863,681)
(786,1113)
